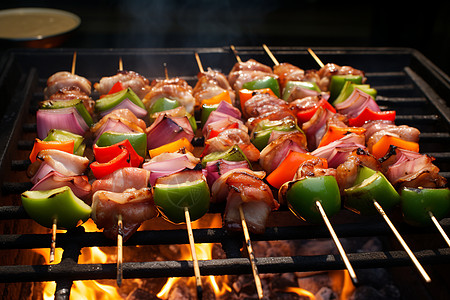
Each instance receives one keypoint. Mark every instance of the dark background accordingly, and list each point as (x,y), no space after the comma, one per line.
(312,23)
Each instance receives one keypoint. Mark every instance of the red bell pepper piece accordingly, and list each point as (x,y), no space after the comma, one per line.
(105,154)
(369,115)
(120,161)
(307,114)
(117,87)
(214,133)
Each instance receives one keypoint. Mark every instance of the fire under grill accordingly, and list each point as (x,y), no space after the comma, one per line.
(405,80)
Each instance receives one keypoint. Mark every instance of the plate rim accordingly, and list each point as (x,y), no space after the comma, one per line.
(18,10)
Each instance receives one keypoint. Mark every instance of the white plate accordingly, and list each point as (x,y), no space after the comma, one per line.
(24,24)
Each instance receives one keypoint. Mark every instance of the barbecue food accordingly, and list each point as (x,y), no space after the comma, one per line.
(138,83)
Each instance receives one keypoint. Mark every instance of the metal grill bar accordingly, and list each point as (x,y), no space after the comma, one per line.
(403,88)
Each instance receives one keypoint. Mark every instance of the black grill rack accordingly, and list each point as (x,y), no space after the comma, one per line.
(406,81)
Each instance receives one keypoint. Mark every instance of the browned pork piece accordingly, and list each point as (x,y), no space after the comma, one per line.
(211,83)
(263,103)
(323,76)
(230,137)
(66,80)
(243,187)
(172,88)
(347,171)
(129,79)
(375,130)
(288,72)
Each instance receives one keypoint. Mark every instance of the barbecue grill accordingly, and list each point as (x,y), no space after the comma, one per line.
(406,81)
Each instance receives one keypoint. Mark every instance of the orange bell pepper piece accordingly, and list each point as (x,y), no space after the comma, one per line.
(289,166)
(380,148)
(39,145)
(335,133)
(224,96)
(245,94)
(172,147)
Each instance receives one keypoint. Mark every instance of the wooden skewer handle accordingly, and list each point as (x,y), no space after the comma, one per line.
(198,279)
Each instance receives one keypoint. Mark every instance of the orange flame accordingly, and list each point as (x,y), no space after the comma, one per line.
(301,292)
(204,252)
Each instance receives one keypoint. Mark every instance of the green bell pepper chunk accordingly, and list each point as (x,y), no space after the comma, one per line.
(163,104)
(77,103)
(417,203)
(59,204)
(207,109)
(262,132)
(302,195)
(111,100)
(338,81)
(370,185)
(266,82)
(233,154)
(60,135)
(290,85)
(348,89)
(171,199)
(137,139)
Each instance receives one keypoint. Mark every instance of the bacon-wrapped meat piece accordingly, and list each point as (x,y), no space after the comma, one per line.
(67,86)
(243,187)
(134,205)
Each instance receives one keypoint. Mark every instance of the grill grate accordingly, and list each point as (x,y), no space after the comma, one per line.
(405,80)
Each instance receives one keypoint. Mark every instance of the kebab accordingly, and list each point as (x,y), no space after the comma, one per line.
(180,189)
(226,158)
(378,182)
(57,162)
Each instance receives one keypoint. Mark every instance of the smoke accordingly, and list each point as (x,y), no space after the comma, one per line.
(202,23)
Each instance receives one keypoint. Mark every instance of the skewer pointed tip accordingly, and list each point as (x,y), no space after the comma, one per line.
(119,251)
(402,242)
(53,244)
(316,58)
(251,254)
(338,244)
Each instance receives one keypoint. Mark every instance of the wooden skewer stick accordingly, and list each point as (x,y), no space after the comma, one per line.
(199,63)
(272,57)
(251,254)
(337,243)
(53,244)
(74,61)
(119,250)
(235,53)
(316,58)
(402,242)
(198,279)
(439,227)
(166,72)
(120,64)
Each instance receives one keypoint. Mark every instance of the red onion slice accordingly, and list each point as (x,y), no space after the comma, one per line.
(79,184)
(167,129)
(68,119)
